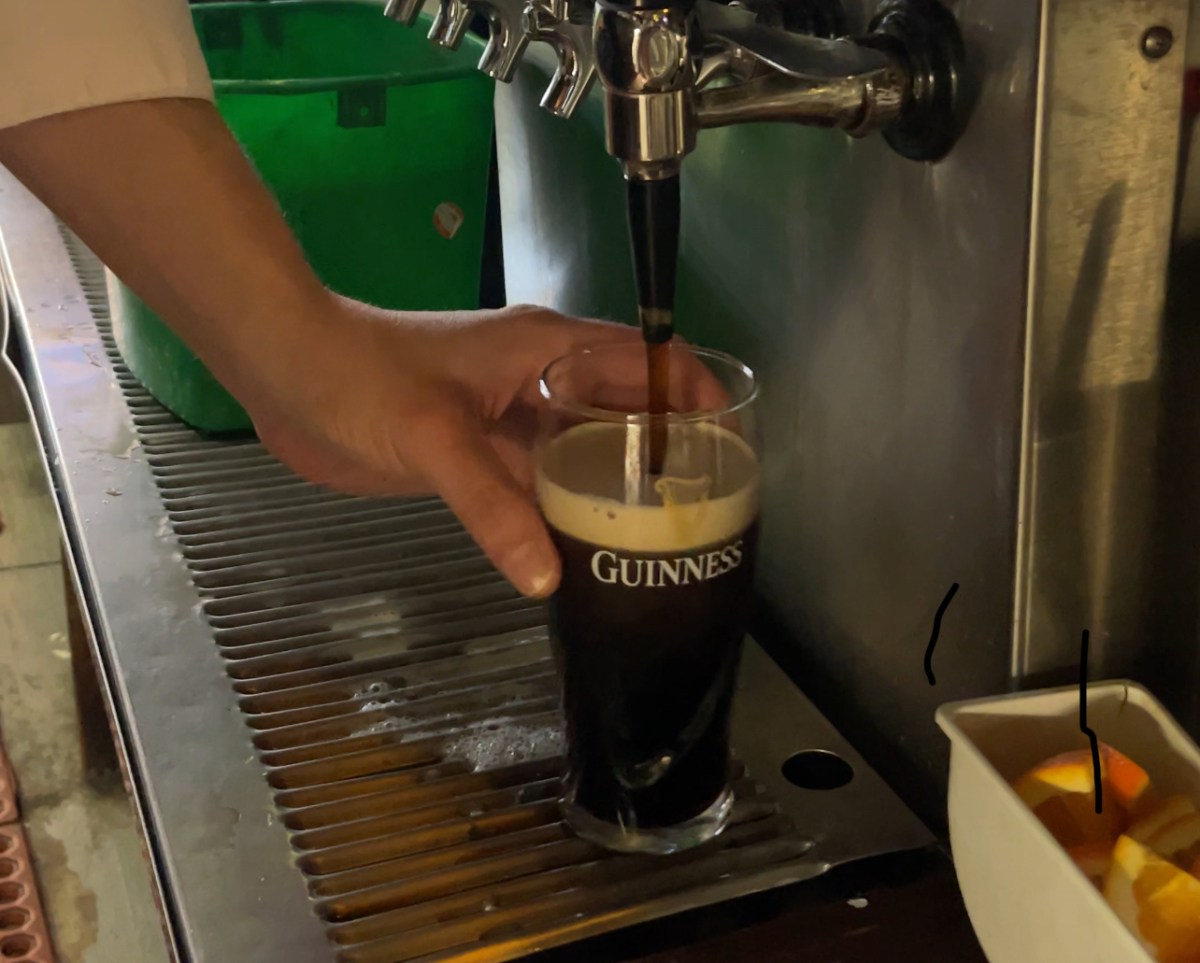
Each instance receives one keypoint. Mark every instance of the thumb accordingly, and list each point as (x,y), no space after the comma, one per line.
(471,479)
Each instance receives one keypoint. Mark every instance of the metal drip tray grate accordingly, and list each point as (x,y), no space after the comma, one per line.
(403,705)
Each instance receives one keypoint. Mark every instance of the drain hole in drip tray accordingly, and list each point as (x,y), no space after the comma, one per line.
(10,893)
(13,919)
(817,769)
(15,946)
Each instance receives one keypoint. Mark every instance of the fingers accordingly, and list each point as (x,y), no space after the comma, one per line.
(514,439)
(471,478)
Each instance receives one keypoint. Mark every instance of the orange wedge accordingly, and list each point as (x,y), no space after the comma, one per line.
(1070,772)
(1061,793)
(1178,842)
(1161,815)
(1156,901)
(1125,782)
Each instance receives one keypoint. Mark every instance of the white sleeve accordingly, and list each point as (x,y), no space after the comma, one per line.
(61,55)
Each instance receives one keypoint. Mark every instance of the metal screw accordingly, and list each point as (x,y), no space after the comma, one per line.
(1156,42)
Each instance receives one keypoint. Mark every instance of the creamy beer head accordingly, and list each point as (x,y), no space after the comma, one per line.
(592,486)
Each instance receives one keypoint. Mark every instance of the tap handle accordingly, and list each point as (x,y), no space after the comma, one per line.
(403,11)
(450,23)
(568,29)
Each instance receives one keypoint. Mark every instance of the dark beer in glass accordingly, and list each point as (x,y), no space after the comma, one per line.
(648,621)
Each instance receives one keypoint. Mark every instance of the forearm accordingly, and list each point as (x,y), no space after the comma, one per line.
(163,194)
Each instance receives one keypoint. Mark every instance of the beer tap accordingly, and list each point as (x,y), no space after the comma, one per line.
(566,25)
(450,23)
(403,11)
(507,36)
(671,68)
(647,55)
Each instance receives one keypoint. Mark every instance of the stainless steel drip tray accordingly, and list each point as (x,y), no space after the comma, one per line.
(341,723)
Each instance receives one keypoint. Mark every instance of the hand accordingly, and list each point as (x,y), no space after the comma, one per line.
(377,402)
(366,400)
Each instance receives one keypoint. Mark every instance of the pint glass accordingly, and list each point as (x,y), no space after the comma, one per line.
(657,572)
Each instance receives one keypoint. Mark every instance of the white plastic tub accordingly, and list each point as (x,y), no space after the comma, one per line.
(1026,899)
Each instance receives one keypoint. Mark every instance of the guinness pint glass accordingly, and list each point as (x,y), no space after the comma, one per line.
(656,585)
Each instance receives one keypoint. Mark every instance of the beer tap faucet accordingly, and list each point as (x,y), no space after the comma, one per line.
(647,54)
(450,23)
(567,26)
(507,36)
(671,68)
(403,11)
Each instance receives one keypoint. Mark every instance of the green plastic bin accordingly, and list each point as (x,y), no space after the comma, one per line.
(377,145)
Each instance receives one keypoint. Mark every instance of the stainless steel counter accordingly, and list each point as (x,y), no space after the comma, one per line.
(189,670)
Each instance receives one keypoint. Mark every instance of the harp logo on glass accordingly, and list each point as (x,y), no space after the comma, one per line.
(642,572)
